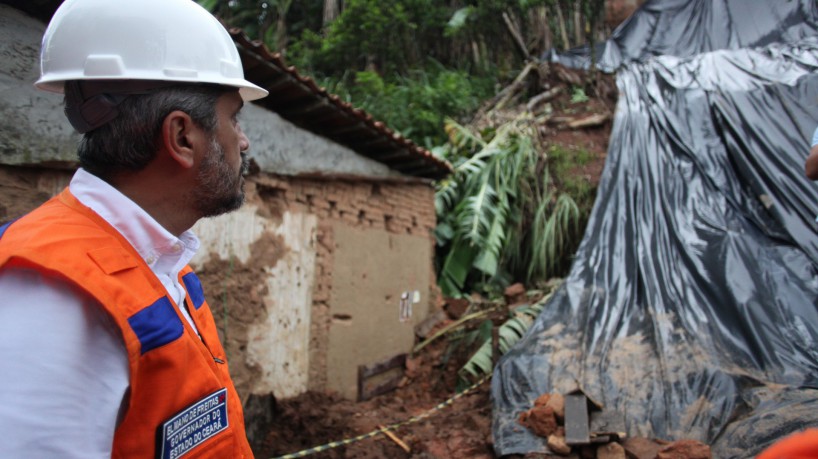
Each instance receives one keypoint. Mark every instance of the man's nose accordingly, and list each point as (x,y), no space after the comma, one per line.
(244,142)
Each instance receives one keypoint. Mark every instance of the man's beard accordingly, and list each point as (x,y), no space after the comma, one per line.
(221,187)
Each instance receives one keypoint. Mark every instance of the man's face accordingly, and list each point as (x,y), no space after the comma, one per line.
(221,181)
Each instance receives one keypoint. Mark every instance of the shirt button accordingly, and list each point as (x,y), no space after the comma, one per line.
(150,259)
(177,247)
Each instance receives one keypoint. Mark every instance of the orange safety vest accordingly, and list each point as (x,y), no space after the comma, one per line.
(182,402)
(800,445)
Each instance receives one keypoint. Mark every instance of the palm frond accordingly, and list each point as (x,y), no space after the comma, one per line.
(456,267)
(477,215)
(552,231)
(446,196)
(452,327)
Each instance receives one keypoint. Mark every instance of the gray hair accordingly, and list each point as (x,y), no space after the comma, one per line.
(129,141)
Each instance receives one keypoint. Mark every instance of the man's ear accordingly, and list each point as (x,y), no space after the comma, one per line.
(181,138)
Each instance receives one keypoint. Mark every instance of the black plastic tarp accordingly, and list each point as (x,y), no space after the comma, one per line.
(691,309)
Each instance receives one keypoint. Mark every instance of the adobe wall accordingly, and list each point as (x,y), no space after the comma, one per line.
(33,128)
(24,188)
(374,242)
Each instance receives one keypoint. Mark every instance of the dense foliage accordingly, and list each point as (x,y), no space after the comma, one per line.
(416,104)
(424,67)
(438,57)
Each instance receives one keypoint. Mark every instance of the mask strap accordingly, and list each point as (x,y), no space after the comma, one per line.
(91,104)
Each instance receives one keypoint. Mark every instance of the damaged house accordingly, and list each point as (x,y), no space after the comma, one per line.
(329,264)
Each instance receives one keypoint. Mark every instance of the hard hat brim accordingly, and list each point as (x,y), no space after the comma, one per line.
(247,90)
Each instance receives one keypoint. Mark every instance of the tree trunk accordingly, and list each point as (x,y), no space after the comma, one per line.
(282,8)
(579,35)
(263,28)
(564,33)
(331,11)
(547,39)
(514,30)
(281,35)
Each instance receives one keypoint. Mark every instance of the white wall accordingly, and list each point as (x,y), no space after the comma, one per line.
(280,147)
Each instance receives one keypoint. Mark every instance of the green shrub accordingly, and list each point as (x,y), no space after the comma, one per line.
(415,105)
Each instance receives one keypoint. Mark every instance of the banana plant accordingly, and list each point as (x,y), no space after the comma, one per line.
(501,215)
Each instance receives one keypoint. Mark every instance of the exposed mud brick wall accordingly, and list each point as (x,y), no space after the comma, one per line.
(234,292)
(24,188)
(398,207)
(321,311)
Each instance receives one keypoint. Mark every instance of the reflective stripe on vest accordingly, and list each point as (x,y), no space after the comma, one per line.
(194,289)
(156,325)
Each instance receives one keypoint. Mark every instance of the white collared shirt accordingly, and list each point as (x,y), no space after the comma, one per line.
(65,364)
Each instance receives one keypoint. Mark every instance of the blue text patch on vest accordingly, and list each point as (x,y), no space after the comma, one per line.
(194,425)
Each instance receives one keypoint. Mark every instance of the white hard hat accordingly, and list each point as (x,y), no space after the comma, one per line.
(161,40)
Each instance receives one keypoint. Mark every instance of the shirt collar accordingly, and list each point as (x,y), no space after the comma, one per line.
(160,249)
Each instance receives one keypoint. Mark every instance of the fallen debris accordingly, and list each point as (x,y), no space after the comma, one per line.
(611,451)
(540,420)
(685,449)
(641,448)
(539,100)
(577,427)
(515,294)
(456,307)
(556,443)
(597,119)
(566,437)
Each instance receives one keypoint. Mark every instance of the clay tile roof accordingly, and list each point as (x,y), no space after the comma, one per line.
(299,100)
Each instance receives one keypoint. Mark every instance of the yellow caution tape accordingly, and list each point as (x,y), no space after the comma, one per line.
(383,430)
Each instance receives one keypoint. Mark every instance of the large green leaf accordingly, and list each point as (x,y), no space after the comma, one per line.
(456,267)
(488,259)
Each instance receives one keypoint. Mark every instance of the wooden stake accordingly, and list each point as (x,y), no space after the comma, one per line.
(395,439)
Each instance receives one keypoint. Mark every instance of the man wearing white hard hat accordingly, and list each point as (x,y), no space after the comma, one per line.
(109,345)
